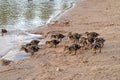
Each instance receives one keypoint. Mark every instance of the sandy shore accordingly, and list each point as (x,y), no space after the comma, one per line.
(102,16)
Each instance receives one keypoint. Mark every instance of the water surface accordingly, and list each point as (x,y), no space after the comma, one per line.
(23,15)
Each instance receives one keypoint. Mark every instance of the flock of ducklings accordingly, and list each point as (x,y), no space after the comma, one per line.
(87,40)
(31,47)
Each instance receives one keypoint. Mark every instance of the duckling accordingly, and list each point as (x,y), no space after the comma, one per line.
(100,40)
(75,37)
(71,48)
(55,42)
(90,41)
(70,36)
(3,31)
(30,48)
(34,42)
(58,36)
(23,48)
(52,43)
(96,46)
(92,34)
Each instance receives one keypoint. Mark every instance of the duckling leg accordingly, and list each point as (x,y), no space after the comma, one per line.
(100,50)
(85,45)
(102,45)
(94,51)
(75,52)
(32,53)
(2,34)
(55,45)
(60,39)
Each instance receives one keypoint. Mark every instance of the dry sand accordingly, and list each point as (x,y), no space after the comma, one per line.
(102,16)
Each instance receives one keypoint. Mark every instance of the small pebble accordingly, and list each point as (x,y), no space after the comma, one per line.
(58,69)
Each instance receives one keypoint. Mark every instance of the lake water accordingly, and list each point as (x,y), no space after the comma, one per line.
(20,15)
(23,15)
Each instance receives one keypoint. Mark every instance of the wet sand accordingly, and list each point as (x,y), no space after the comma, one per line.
(100,16)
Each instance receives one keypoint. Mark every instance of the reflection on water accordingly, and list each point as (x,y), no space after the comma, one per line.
(21,14)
